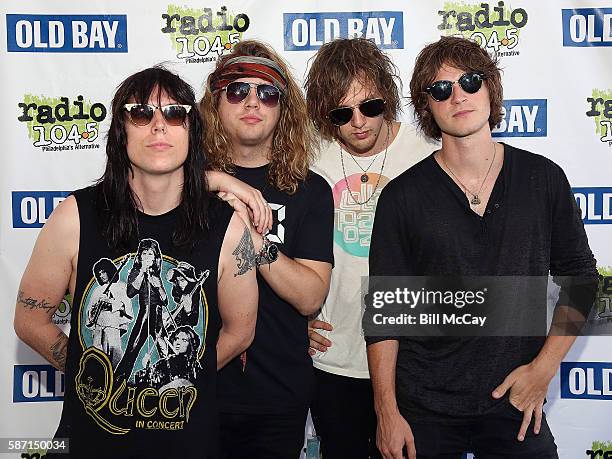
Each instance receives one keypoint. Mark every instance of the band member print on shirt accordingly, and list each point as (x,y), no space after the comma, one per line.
(110,310)
(144,319)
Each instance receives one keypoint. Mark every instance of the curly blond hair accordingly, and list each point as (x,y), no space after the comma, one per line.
(293,142)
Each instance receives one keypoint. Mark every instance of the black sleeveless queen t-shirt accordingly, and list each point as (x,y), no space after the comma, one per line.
(141,363)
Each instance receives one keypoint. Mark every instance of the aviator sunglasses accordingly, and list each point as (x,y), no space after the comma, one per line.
(470,82)
(370,108)
(237,91)
(142,114)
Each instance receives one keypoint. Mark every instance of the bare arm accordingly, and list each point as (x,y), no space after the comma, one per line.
(393,432)
(260,211)
(50,271)
(237,291)
(302,283)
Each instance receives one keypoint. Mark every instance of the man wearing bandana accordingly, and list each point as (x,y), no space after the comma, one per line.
(256,127)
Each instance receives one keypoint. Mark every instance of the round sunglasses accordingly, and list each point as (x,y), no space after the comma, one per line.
(237,91)
(470,82)
(142,114)
(370,108)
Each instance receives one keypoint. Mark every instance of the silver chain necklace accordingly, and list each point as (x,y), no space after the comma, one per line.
(364,176)
(364,172)
(475,198)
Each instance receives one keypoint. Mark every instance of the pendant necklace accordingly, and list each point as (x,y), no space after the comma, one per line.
(475,196)
(364,176)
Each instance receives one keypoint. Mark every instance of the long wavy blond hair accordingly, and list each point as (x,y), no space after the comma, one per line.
(293,142)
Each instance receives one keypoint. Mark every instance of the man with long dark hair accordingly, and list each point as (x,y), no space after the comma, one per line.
(474,207)
(257,128)
(149,213)
(353,93)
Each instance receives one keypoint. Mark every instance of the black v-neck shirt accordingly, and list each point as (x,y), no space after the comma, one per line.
(424,226)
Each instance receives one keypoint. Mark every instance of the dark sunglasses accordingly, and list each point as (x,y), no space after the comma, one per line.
(142,114)
(237,91)
(370,108)
(470,82)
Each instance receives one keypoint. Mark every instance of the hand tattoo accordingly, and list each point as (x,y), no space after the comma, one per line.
(58,351)
(33,303)
(244,253)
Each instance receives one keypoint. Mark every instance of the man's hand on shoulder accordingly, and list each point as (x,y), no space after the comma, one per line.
(229,188)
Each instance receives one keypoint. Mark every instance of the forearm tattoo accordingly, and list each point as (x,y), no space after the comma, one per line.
(33,303)
(58,350)
(244,253)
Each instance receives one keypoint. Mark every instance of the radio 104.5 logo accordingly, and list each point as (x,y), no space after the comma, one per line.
(496,28)
(203,35)
(600,109)
(59,123)
(600,449)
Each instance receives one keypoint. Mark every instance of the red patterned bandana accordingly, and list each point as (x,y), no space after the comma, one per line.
(248,67)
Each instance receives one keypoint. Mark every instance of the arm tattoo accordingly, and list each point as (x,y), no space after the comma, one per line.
(58,351)
(244,253)
(33,303)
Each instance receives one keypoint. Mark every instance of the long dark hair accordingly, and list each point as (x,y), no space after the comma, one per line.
(116,203)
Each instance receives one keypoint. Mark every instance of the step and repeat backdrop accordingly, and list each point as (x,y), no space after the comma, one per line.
(61,62)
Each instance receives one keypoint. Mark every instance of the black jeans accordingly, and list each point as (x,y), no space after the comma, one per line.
(491,437)
(343,415)
(262,436)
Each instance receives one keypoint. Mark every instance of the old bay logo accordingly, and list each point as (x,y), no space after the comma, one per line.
(69,33)
(523,118)
(600,109)
(37,383)
(56,123)
(201,35)
(586,380)
(496,29)
(595,204)
(308,31)
(31,209)
(587,27)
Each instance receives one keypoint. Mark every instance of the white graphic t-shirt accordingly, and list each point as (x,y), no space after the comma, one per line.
(352,231)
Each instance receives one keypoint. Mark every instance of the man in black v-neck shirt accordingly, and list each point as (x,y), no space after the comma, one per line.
(257,127)
(472,208)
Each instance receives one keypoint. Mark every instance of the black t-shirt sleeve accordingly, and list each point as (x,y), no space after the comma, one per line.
(571,260)
(315,234)
(389,247)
